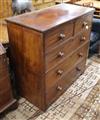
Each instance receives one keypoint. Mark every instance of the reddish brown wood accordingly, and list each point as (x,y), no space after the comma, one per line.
(65,48)
(58,35)
(84,22)
(64,82)
(43,42)
(28,57)
(48,18)
(6,97)
(53,75)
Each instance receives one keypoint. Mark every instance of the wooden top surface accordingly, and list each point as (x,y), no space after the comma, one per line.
(48,18)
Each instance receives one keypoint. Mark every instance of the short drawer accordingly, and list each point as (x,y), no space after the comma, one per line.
(65,82)
(58,35)
(56,55)
(61,69)
(5,97)
(3,61)
(83,22)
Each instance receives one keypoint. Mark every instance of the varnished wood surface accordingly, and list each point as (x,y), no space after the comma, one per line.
(48,18)
(6,96)
(84,22)
(27,56)
(34,53)
(54,56)
(53,93)
(53,36)
(55,74)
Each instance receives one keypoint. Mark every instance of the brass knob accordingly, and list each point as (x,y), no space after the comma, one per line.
(59,72)
(80,54)
(85,24)
(62,36)
(60,54)
(59,88)
(83,38)
(78,69)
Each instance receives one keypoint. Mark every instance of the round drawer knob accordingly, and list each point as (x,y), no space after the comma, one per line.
(80,54)
(87,27)
(60,54)
(60,72)
(59,88)
(85,24)
(62,36)
(83,39)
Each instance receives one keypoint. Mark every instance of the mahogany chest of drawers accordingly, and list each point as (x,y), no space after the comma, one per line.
(49,49)
(6,98)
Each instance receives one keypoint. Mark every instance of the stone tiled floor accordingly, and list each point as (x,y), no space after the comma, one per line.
(80,102)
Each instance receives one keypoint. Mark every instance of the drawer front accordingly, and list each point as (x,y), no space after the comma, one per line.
(60,70)
(3,61)
(56,55)
(5,97)
(54,92)
(58,35)
(82,23)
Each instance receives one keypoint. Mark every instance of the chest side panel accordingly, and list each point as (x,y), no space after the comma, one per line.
(27,57)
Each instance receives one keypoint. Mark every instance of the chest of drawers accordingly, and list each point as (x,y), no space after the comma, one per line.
(49,49)
(6,98)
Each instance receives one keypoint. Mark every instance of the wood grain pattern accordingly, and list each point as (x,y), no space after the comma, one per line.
(6,96)
(36,40)
(84,22)
(58,35)
(53,75)
(53,55)
(27,55)
(53,93)
(48,18)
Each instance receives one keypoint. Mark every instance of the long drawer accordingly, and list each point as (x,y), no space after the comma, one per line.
(56,55)
(60,70)
(61,85)
(58,34)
